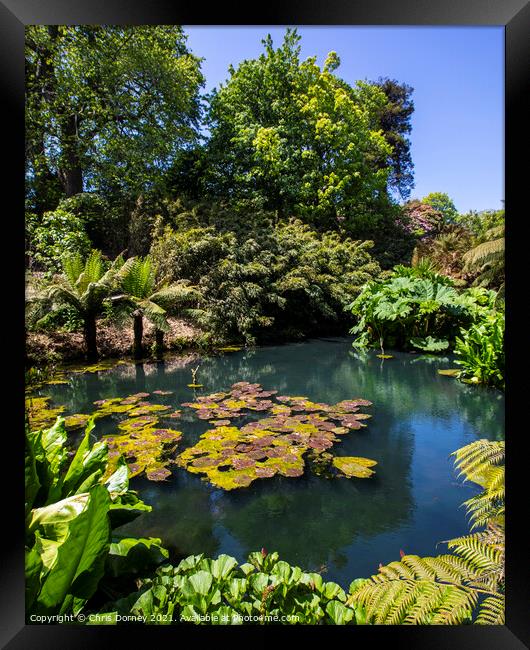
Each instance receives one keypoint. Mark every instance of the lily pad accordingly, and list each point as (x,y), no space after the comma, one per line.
(354,466)
(146,448)
(449,372)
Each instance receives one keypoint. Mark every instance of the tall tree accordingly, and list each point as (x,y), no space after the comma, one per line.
(394,118)
(106,105)
(297,139)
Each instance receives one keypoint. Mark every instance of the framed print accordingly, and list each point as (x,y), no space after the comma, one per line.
(264,322)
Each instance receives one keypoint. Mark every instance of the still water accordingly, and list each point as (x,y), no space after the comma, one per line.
(345,527)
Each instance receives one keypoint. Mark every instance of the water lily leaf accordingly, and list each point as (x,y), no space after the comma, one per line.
(384,356)
(230,457)
(353,466)
(40,415)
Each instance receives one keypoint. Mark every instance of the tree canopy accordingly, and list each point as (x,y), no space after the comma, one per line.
(297,139)
(106,107)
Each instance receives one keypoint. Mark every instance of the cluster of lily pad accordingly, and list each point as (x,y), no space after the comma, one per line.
(231,457)
(40,414)
(145,446)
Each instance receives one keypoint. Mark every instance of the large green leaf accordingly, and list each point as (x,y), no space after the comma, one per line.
(31,477)
(223,566)
(339,613)
(75,541)
(135,555)
(88,460)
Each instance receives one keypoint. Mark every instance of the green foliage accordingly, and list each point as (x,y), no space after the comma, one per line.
(145,296)
(260,591)
(482,462)
(479,223)
(271,282)
(416,307)
(298,138)
(486,260)
(106,105)
(441,202)
(70,513)
(463,587)
(394,119)
(57,234)
(84,285)
(480,351)
(65,318)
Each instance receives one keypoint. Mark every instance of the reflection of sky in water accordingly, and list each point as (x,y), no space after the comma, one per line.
(412,503)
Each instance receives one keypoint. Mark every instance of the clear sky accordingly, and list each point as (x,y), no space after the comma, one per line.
(458,78)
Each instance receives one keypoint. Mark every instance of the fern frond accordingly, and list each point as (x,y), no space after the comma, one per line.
(73,266)
(155,314)
(456,607)
(492,611)
(484,253)
(475,459)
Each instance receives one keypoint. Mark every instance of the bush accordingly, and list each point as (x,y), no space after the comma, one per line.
(58,233)
(282,282)
(416,308)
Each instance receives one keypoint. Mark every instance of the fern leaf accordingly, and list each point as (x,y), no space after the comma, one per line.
(492,611)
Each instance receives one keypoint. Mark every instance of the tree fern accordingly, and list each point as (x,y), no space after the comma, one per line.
(150,298)
(85,285)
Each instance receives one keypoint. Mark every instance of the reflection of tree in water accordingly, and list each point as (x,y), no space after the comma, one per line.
(309,521)
(182,517)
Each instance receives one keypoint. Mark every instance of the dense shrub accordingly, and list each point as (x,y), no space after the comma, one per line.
(417,308)
(58,233)
(284,281)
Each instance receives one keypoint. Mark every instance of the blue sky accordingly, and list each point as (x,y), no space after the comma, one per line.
(458,78)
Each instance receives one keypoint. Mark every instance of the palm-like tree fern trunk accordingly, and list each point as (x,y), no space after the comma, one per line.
(89,332)
(138,328)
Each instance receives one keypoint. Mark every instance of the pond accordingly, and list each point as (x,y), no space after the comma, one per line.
(343,527)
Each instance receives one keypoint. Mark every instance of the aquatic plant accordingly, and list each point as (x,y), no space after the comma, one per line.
(232,457)
(144,446)
(39,414)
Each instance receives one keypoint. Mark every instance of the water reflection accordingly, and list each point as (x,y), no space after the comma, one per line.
(419,418)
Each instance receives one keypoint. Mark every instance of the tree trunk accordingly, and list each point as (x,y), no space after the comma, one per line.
(159,343)
(90,338)
(71,172)
(138,326)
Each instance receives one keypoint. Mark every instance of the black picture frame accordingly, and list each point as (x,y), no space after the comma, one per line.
(514,15)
